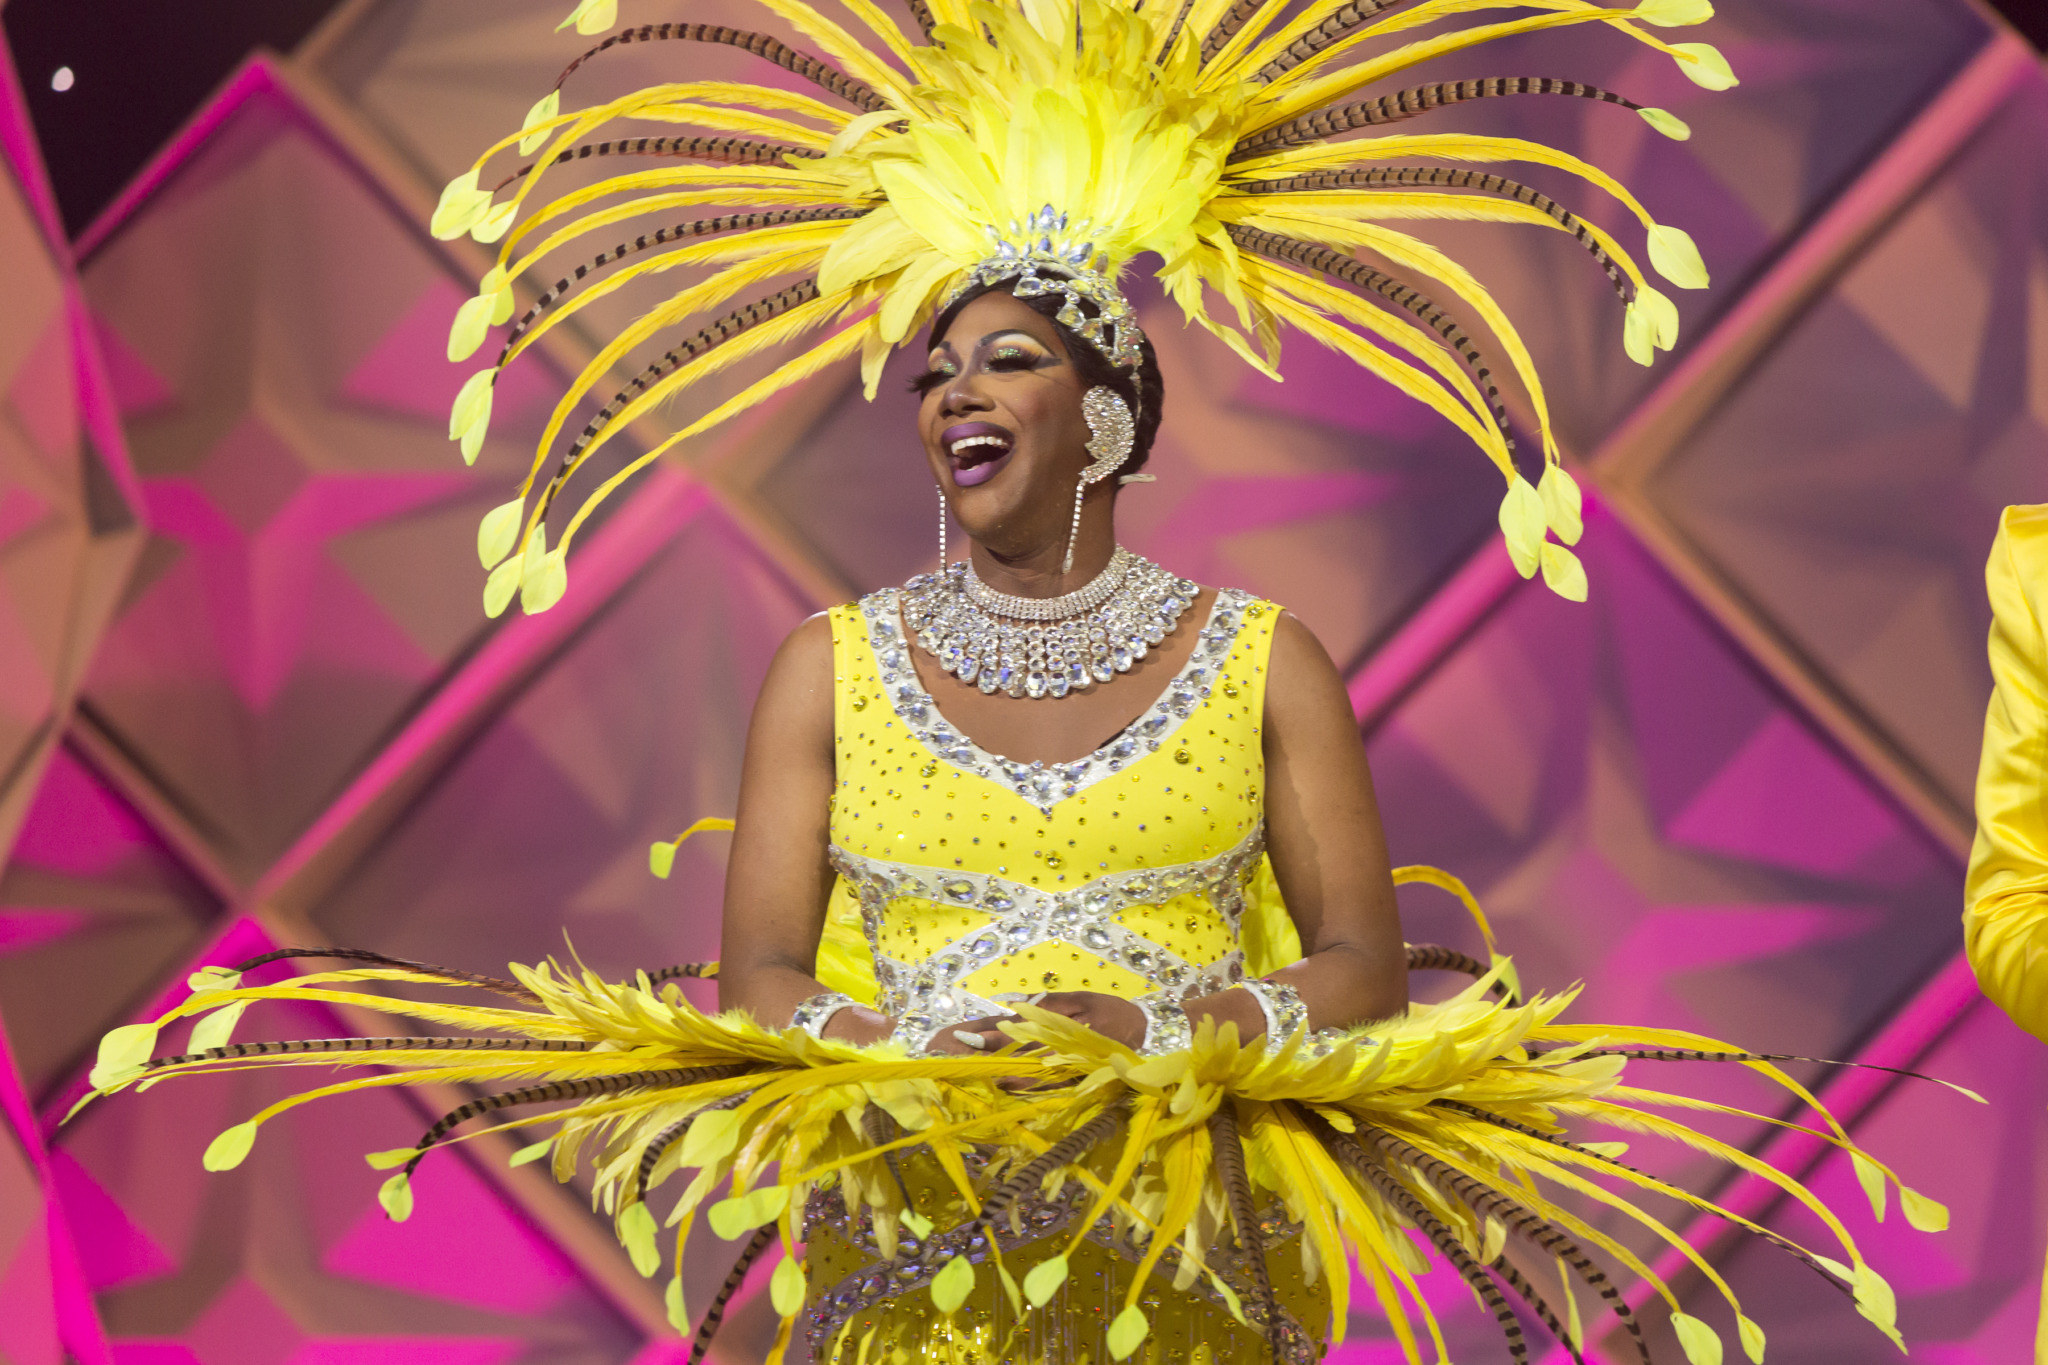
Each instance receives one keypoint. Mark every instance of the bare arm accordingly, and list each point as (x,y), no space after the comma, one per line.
(778,879)
(1329,852)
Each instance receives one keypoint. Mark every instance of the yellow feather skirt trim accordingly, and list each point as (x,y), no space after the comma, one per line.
(1066,1198)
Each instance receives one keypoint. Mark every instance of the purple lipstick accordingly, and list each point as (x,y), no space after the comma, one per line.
(977,451)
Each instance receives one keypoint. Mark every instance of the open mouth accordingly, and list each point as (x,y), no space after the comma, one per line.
(977,451)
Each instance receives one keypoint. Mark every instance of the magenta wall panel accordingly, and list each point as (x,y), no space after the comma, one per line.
(1639,808)
(67,536)
(91,894)
(1824,84)
(1850,487)
(47,1315)
(1968,1297)
(68,533)
(276,329)
(290,1259)
(536,837)
(1641,811)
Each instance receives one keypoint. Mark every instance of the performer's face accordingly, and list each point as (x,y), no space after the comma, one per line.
(1002,424)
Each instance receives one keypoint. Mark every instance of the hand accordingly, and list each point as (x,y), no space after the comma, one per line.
(1112,1016)
(987,1028)
(859,1025)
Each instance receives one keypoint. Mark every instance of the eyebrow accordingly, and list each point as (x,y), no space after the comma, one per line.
(1012,332)
(1000,332)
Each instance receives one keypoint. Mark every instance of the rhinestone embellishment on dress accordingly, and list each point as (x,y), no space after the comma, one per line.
(927,996)
(1045,785)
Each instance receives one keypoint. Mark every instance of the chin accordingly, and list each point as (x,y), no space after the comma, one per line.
(986,506)
(984,521)
(995,516)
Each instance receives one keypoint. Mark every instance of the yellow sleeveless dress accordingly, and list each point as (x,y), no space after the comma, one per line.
(977,882)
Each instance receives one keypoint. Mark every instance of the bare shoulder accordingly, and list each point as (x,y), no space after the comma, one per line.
(797,693)
(809,646)
(1299,645)
(1298,657)
(1302,682)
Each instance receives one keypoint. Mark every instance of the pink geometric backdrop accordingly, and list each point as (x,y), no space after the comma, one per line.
(247,696)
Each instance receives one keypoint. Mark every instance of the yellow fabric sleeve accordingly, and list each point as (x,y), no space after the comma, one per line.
(2005,922)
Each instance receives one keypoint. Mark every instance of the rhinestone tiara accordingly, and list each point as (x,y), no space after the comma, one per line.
(1046,254)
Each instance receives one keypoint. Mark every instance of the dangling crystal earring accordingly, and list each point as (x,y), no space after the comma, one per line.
(1111,435)
(942,527)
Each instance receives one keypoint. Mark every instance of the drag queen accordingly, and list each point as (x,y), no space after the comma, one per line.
(1065,1007)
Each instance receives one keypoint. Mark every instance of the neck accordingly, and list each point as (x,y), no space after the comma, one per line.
(1036,573)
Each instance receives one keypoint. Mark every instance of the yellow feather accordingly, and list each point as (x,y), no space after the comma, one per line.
(1137,1136)
(1183,1161)
(1229,65)
(726,119)
(718,289)
(882,26)
(1473,417)
(1398,204)
(1442,146)
(783,327)
(751,256)
(910,303)
(1623,1116)
(841,47)
(1401,249)
(1242,59)
(1556,1170)
(772,186)
(1679,1038)
(1527,1148)
(761,97)
(1305,91)
(841,345)
(875,245)
(1305,1171)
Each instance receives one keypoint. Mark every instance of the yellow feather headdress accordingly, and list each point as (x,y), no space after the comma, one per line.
(1076,136)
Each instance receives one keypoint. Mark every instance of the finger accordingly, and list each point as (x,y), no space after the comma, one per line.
(988,1029)
(978,1041)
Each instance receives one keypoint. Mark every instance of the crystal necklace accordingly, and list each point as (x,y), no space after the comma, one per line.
(1045,646)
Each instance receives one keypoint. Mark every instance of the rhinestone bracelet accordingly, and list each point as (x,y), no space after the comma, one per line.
(1166,1026)
(1281,1004)
(914,1031)
(813,1014)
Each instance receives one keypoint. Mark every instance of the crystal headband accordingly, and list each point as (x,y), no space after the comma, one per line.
(1047,256)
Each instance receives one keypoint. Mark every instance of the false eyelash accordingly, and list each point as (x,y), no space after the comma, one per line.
(1021,360)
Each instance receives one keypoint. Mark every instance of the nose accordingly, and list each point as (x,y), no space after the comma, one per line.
(961,396)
